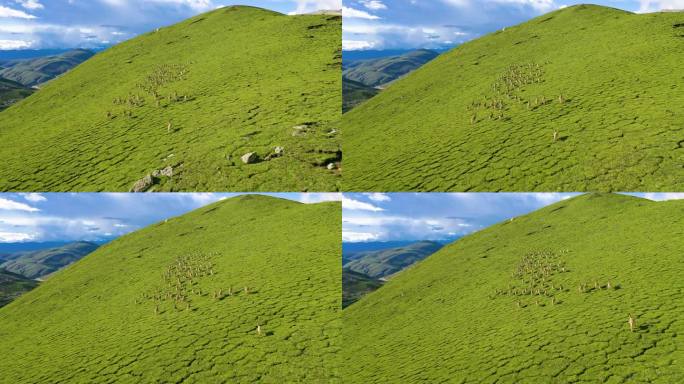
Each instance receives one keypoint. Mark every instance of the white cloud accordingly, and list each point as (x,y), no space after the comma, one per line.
(358,237)
(378,197)
(30,4)
(14,237)
(14,13)
(34,197)
(313,198)
(664,196)
(205,198)
(51,35)
(370,34)
(355,205)
(381,227)
(660,5)
(10,205)
(15,44)
(356,45)
(351,13)
(308,6)
(374,5)
(537,5)
(547,198)
(198,5)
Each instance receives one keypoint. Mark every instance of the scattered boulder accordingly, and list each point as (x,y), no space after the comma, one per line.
(331,166)
(279,151)
(168,172)
(143,184)
(250,158)
(300,130)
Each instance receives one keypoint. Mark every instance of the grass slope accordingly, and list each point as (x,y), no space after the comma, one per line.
(356,285)
(379,264)
(355,93)
(13,285)
(11,92)
(603,79)
(376,72)
(37,264)
(232,81)
(33,72)
(461,315)
(100,321)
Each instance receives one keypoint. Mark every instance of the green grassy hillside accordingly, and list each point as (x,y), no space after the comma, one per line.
(376,72)
(378,264)
(482,117)
(12,92)
(35,264)
(13,285)
(356,285)
(355,93)
(181,300)
(178,108)
(465,314)
(33,72)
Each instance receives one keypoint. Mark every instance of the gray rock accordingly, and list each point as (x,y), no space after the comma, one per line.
(332,166)
(300,130)
(143,184)
(250,158)
(168,172)
(279,151)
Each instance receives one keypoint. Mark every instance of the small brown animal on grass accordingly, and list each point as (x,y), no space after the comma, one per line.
(632,323)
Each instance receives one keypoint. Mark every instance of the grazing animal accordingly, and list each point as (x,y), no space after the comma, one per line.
(258,330)
(632,323)
(555,135)
(168,127)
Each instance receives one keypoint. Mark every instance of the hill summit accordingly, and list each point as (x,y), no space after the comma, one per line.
(243,290)
(585,98)
(233,99)
(584,290)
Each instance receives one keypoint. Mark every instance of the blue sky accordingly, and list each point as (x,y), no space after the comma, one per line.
(41,24)
(407,24)
(440,216)
(33,217)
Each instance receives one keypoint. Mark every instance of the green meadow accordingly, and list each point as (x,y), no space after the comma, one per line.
(586,98)
(541,298)
(243,290)
(180,107)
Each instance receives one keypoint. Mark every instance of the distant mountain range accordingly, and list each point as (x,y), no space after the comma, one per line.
(11,92)
(383,263)
(356,285)
(21,73)
(349,56)
(32,72)
(378,72)
(364,270)
(13,285)
(362,79)
(39,263)
(355,93)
